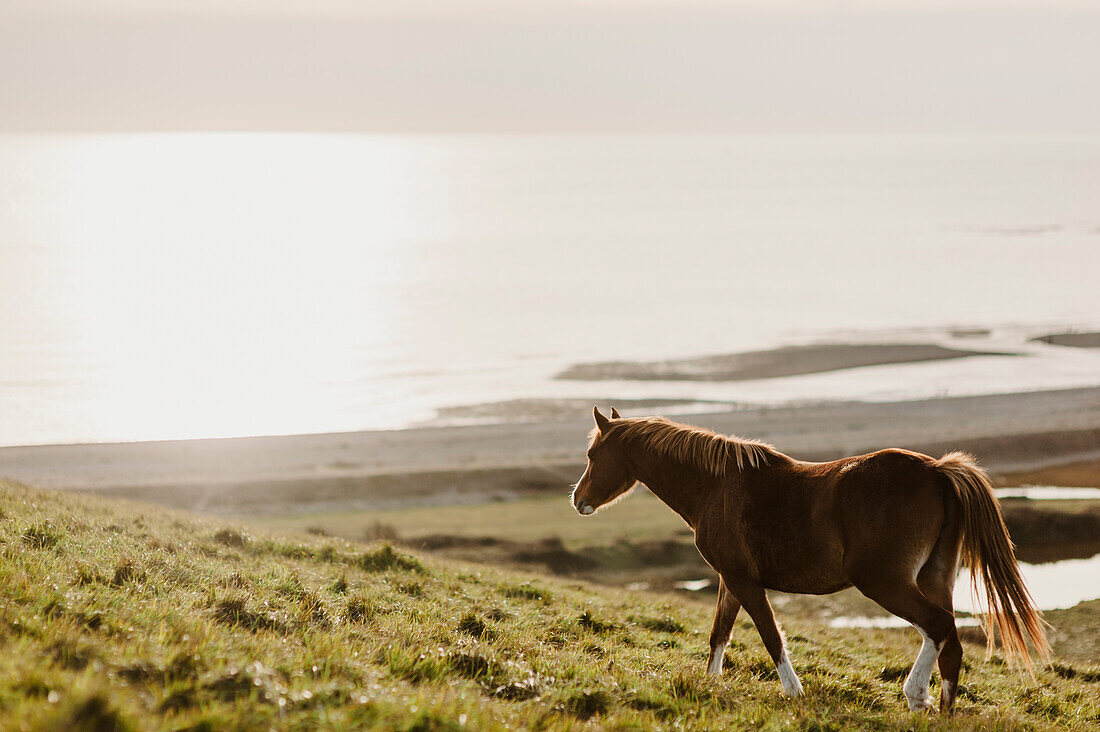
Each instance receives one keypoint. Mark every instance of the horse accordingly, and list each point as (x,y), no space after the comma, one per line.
(895,524)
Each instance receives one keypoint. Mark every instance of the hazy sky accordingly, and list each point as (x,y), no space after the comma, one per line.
(568,65)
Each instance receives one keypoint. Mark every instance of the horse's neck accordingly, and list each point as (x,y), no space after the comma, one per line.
(680,488)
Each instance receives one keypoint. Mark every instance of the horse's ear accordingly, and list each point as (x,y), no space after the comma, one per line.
(615,414)
(601,421)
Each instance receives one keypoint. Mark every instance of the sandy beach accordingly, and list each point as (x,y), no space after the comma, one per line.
(1010,433)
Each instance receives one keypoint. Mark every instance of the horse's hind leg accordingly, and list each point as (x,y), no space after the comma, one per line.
(724,615)
(937,582)
(935,624)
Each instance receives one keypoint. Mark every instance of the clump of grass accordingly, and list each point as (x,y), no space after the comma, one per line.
(412,589)
(414,666)
(311,609)
(763,670)
(358,610)
(1041,704)
(236,580)
(127,571)
(586,704)
(475,666)
(893,673)
(231,538)
(520,690)
(472,625)
(71,654)
(525,591)
(141,672)
(280,548)
(42,536)
(339,585)
(234,611)
(690,687)
(660,625)
(596,650)
(184,665)
(253,680)
(587,621)
(89,621)
(91,712)
(652,701)
(1066,671)
(385,559)
(379,531)
(290,585)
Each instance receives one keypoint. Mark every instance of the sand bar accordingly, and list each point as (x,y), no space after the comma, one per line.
(1072,339)
(772,363)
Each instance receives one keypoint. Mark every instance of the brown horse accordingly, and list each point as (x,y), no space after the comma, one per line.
(895,524)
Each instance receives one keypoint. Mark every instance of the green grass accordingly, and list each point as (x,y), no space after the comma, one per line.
(123,616)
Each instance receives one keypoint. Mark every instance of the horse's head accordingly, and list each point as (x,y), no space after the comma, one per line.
(608,474)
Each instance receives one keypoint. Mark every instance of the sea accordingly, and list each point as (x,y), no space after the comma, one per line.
(179,285)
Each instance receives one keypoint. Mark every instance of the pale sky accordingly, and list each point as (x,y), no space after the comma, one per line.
(540,66)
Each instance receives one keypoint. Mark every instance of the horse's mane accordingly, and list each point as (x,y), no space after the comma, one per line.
(695,446)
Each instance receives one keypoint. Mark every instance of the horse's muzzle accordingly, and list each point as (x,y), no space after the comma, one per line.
(583,508)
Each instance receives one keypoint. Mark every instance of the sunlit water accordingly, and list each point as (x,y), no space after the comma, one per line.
(166,286)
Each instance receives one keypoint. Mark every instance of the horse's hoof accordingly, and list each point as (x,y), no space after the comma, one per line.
(920,705)
(793,692)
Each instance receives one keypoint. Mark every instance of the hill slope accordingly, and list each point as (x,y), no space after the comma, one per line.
(118,615)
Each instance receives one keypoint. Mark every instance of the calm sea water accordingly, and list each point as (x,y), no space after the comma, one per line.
(180,285)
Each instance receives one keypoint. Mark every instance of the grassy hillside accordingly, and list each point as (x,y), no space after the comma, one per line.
(117,615)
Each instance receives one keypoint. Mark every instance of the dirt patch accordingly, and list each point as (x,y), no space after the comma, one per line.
(549,552)
(552,553)
(439,542)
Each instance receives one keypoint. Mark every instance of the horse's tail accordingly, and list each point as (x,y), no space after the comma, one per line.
(987,550)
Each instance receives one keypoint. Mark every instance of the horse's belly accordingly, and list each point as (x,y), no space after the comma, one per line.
(812,570)
(808,585)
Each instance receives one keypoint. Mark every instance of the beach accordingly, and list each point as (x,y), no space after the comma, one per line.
(1009,433)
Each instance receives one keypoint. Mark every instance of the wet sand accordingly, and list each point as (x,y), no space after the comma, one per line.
(439,466)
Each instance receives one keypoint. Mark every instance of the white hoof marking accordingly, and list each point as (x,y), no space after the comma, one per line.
(916,688)
(792,687)
(717,653)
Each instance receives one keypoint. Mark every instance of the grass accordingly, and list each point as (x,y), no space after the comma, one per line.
(120,616)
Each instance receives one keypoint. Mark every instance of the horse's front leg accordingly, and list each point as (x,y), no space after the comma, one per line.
(724,615)
(755,602)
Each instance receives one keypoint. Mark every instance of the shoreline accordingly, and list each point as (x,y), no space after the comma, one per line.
(1010,433)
